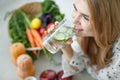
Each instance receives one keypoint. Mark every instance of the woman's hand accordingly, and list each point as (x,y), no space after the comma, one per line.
(67,50)
(66,46)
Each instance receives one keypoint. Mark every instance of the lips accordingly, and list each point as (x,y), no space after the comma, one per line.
(78,29)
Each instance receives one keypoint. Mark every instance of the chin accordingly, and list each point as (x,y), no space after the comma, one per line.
(82,35)
(78,35)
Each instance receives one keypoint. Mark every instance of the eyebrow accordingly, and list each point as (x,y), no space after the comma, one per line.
(77,10)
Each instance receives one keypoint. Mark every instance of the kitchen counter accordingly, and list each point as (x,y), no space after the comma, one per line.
(7,69)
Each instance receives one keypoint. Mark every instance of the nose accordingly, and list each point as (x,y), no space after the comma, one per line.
(75,17)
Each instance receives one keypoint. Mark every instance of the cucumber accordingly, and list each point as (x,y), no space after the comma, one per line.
(64,34)
(67,37)
(70,31)
(60,37)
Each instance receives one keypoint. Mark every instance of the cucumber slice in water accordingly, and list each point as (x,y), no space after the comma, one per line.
(67,37)
(70,31)
(60,37)
(64,34)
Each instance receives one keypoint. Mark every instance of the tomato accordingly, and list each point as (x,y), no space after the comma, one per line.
(50,27)
(41,31)
(44,34)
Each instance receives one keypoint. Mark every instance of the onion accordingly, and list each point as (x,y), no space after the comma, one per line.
(59,76)
(48,75)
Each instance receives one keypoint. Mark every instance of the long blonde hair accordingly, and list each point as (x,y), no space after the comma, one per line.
(105,21)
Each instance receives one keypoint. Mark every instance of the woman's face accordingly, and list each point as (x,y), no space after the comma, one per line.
(81,19)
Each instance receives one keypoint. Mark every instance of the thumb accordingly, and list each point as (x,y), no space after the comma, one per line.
(70,41)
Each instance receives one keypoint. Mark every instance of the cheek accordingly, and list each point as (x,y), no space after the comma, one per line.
(87,28)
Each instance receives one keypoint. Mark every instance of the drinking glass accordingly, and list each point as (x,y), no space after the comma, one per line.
(59,36)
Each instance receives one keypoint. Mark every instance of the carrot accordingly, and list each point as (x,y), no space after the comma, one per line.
(37,37)
(37,43)
(31,40)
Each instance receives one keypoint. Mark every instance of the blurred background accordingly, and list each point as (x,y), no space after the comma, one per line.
(7,69)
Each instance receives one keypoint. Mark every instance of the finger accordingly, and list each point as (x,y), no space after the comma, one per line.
(70,41)
(56,23)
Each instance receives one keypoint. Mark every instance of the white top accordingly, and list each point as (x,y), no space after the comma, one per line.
(112,72)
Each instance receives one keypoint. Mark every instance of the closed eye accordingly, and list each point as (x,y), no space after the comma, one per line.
(86,17)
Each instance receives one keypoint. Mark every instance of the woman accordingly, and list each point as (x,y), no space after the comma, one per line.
(96,46)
